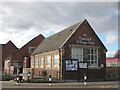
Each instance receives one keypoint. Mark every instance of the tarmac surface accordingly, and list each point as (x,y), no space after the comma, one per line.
(106,84)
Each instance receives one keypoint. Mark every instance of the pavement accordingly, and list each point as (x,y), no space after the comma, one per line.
(106,84)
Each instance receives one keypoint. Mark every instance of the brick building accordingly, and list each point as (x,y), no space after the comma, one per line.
(6,50)
(77,42)
(20,58)
(112,62)
(112,66)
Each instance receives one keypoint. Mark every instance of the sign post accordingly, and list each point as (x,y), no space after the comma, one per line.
(78,73)
(85,79)
(71,65)
(82,65)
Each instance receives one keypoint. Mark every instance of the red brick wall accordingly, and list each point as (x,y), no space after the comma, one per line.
(85,28)
(24,51)
(50,70)
(7,50)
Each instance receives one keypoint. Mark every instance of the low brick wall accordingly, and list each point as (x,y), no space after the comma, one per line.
(28,70)
(112,72)
(52,72)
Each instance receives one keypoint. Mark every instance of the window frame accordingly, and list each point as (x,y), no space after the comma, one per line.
(41,58)
(32,50)
(32,63)
(48,64)
(36,62)
(56,63)
(90,60)
(73,53)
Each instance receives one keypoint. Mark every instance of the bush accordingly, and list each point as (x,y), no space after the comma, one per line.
(37,81)
(7,77)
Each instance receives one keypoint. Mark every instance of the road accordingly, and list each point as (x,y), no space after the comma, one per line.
(110,84)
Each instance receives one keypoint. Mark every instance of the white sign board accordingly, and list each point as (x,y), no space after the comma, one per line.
(82,65)
(11,68)
(102,65)
(24,74)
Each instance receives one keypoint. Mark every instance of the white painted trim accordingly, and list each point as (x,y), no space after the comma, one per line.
(36,62)
(48,66)
(71,34)
(90,59)
(41,65)
(82,55)
(31,48)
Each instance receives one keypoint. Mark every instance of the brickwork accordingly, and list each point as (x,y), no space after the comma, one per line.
(86,29)
(84,37)
(23,54)
(7,49)
(50,70)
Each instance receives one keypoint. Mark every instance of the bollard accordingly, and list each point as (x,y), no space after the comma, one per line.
(17,80)
(85,79)
(50,80)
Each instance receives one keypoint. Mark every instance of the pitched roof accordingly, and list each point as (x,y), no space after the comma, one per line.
(57,40)
(23,51)
(8,49)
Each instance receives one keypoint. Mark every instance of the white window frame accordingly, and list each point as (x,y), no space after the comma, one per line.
(32,50)
(48,61)
(32,63)
(41,61)
(90,54)
(56,60)
(36,62)
(6,64)
(24,63)
(75,53)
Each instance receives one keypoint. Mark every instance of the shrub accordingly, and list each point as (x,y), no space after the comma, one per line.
(7,77)
(37,81)
(44,73)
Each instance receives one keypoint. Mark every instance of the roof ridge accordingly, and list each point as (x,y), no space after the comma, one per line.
(63,29)
(73,32)
(27,43)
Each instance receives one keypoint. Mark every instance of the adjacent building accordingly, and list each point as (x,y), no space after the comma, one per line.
(6,50)
(60,54)
(113,65)
(112,62)
(21,58)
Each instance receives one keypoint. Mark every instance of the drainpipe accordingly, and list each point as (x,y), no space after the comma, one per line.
(60,69)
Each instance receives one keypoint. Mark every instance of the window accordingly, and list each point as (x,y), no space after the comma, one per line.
(31,49)
(36,62)
(41,62)
(56,60)
(6,64)
(77,53)
(93,58)
(48,61)
(32,62)
(113,63)
(118,63)
(24,64)
(107,63)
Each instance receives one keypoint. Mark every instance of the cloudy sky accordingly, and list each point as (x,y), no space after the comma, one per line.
(22,21)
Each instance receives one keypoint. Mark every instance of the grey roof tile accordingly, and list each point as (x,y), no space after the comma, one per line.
(55,41)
